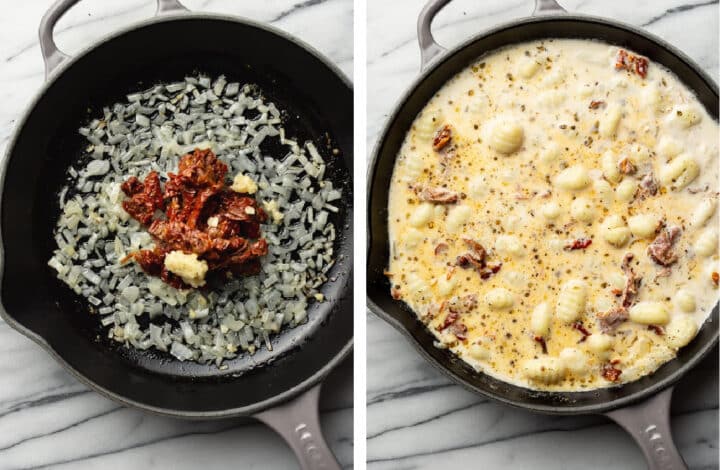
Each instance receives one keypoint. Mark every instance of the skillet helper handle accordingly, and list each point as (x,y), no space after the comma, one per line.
(430,49)
(52,55)
(649,424)
(547,7)
(298,422)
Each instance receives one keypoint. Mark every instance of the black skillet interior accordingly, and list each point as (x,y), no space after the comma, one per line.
(397,313)
(317,101)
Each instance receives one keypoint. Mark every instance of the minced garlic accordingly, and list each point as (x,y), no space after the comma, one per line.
(271,208)
(244,184)
(190,269)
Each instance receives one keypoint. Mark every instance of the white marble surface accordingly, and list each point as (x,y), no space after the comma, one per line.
(49,420)
(416,417)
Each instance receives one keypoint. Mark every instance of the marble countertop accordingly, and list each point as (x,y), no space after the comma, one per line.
(416,417)
(47,418)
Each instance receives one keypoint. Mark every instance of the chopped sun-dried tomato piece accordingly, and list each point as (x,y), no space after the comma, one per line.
(192,198)
(611,373)
(579,244)
(442,138)
(631,63)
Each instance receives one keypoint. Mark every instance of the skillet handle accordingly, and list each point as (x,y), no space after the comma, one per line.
(430,49)
(52,56)
(298,422)
(649,424)
(544,7)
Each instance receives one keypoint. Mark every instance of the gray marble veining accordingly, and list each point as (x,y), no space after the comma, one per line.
(47,418)
(417,418)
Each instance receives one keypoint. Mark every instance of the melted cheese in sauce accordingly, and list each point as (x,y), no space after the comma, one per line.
(537,166)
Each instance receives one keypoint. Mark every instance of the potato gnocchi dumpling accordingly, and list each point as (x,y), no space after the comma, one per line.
(571,302)
(706,243)
(562,233)
(499,299)
(615,231)
(643,225)
(680,172)
(574,178)
(649,313)
(506,136)
(541,319)
(545,369)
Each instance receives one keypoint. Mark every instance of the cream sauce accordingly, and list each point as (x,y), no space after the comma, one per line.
(536,165)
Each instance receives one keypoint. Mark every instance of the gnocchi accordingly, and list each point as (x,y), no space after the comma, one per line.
(649,313)
(685,116)
(582,209)
(685,300)
(610,169)
(643,225)
(428,124)
(680,331)
(679,172)
(614,231)
(528,67)
(610,121)
(706,209)
(509,245)
(575,361)
(457,217)
(600,344)
(541,319)
(551,210)
(669,147)
(422,215)
(571,301)
(573,178)
(626,190)
(544,369)
(506,137)
(500,299)
(706,243)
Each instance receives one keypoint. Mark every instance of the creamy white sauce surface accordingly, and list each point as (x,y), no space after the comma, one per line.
(549,143)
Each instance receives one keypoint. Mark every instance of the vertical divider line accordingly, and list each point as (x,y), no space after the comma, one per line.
(360,172)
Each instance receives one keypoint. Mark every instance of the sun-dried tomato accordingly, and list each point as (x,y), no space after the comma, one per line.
(193,197)
(581,328)
(442,138)
(579,244)
(631,63)
(611,373)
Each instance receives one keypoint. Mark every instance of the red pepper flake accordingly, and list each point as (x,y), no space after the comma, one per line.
(632,63)
(579,244)
(657,329)
(617,292)
(715,278)
(581,328)
(540,340)
(611,373)
(442,138)
(596,104)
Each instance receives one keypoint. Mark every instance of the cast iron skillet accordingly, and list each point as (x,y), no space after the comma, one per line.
(318,99)
(641,407)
